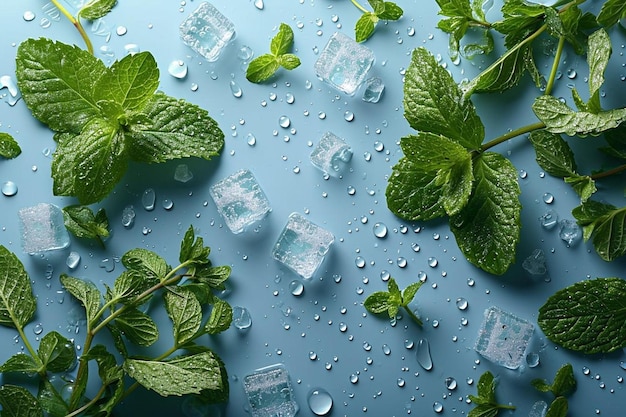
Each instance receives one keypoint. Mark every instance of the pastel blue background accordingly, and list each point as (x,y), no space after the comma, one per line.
(286,328)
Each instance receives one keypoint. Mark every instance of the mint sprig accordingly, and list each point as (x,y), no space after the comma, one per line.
(382,10)
(9,148)
(264,66)
(485,400)
(563,385)
(105,117)
(461,16)
(83,223)
(389,302)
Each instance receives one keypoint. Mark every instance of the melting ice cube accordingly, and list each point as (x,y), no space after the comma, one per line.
(374,88)
(207,31)
(331,154)
(42,228)
(269,392)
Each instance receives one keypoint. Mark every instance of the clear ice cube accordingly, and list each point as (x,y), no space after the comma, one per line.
(240,200)
(269,392)
(374,88)
(302,245)
(535,264)
(331,154)
(503,338)
(183,173)
(344,63)
(207,31)
(538,409)
(570,231)
(42,228)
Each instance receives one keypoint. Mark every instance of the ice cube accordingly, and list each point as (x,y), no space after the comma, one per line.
(538,409)
(331,154)
(42,228)
(344,63)
(269,392)
(535,264)
(374,88)
(183,173)
(207,31)
(240,200)
(570,232)
(503,338)
(302,245)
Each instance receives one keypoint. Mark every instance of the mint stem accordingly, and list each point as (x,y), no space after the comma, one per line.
(85,407)
(609,172)
(77,25)
(412,315)
(358,6)
(513,133)
(555,65)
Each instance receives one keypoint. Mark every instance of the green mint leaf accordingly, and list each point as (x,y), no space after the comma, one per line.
(611,12)
(262,68)
(598,55)
(377,302)
(95,9)
(56,352)
(220,318)
(130,82)
(138,327)
(17,303)
(183,375)
(553,153)
(57,83)
(560,118)
(377,5)
(456,27)
(520,19)
(505,73)
(558,408)
(584,186)
(395,295)
(185,311)
(9,148)
(432,152)
(289,61)
(434,103)
(62,162)
(18,402)
(283,41)
(179,129)
(85,292)
(108,370)
(147,264)
(51,400)
(20,362)
(131,284)
(192,248)
(456,185)
(541,385)
(564,381)
(486,387)
(453,8)
(588,316)
(365,26)
(487,229)
(213,276)
(616,139)
(82,222)
(606,224)
(409,292)
(391,11)
(483,410)
(486,404)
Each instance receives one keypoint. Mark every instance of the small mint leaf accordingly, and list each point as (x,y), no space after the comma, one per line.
(553,154)
(20,362)
(138,327)
(146,263)
(409,292)
(85,292)
(365,26)
(391,12)
(83,223)
(9,148)
(95,9)
(185,311)
(587,317)
(584,186)
(283,41)
(377,302)
(395,296)
(558,408)
(56,352)
(457,185)
(262,67)
(564,381)
(51,400)
(606,224)
(598,54)
(590,214)
(220,318)
(611,12)
(17,303)
(289,61)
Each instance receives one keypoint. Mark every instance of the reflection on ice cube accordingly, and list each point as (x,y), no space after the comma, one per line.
(240,200)
(42,228)
(344,63)
(503,338)
(207,31)
(302,245)
(269,392)
(331,154)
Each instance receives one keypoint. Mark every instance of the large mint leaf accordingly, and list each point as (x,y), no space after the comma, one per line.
(185,311)
(18,402)
(146,263)
(589,316)
(487,229)
(51,400)
(57,83)
(505,73)
(17,303)
(179,129)
(85,292)
(184,375)
(20,362)
(138,327)
(130,82)
(434,103)
(9,148)
(560,118)
(611,12)
(56,352)
(606,224)
(553,154)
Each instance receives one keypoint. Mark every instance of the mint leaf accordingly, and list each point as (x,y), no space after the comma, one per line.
(289,61)
(51,400)
(564,382)
(192,249)
(487,229)
(611,12)
(584,186)
(18,402)
(283,41)
(263,67)
(588,316)
(606,224)
(616,139)
(9,148)
(56,352)
(377,302)
(598,55)
(213,276)
(185,311)
(456,185)
(390,301)
(461,16)
(147,264)
(17,303)
(20,362)
(111,375)
(382,10)
(85,292)
(95,9)
(434,103)
(365,26)
(485,400)
(57,83)
(220,318)
(131,284)
(183,375)
(520,20)
(409,292)
(553,154)
(138,327)
(82,222)
(558,408)
(179,129)
(391,11)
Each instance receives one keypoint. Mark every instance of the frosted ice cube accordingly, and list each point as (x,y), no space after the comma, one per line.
(42,228)
(538,409)
(269,392)
(302,245)
(344,63)
(331,154)
(207,31)
(183,173)
(503,338)
(570,231)
(535,264)
(374,88)
(240,200)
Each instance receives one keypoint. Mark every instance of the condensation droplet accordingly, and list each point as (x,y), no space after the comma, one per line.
(9,188)
(284,122)
(380,230)
(320,402)
(177,69)
(432,262)
(450,383)
(29,16)
(548,198)
(422,354)
(461,303)
(148,199)
(235,89)
(437,407)
(296,287)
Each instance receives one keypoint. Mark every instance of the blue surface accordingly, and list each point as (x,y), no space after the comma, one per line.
(327,322)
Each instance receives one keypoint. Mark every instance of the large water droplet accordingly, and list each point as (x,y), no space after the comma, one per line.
(148,199)
(296,287)
(423,354)
(9,188)
(29,16)
(320,401)
(235,89)
(284,122)
(177,69)
(380,230)
(242,319)
(437,407)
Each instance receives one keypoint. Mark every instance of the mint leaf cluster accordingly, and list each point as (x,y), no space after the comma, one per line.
(485,400)
(105,117)
(564,384)
(186,368)
(381,10)
(390,301)
(83,223)
(263,67)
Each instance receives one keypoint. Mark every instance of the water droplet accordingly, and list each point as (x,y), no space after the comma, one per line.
(296,287)
(385,275)
(29,16)
(380,230)
(251,139)
(401,382)
(432,262)
(245,53)
(549,219)
(622,364)
(235,89)
(437,407)
(351,190)
(284,122)
(312,356)
(177,69)
(421,275)
(532,359)
(242,319)
(571,73)
(343,327)
(401,262)
(423,354)
(148,199)
(320,402)
(461,303)
(128,216)
(121,31)
(415,247)
(108,264)
(9,188)
(359,262)
(386,349)
(548,198)
(38,329)
(348,116)
(354,378)
(259,4)
(73,259)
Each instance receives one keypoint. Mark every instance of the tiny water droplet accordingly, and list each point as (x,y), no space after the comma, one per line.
(421,275)
(284,122)
(437,407)
(259,4)
(386,349)
(548,198)
(432,262)
(359,262)
(401,382)
(401,262)
(532,359)
(29,16)
(348,116)
(351,190)
(450,383)
(128,216)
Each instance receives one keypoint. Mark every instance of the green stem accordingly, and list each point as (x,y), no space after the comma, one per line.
(555,65)
(609,172)
(513,133)
(29,347)
(89,404)
(506,406)
(82,372)
(77,25)
(358,6)
(412,315)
